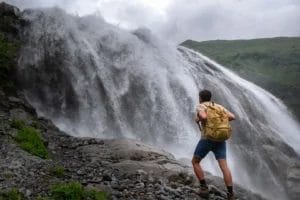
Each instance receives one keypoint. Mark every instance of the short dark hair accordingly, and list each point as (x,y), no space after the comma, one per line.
(205,95)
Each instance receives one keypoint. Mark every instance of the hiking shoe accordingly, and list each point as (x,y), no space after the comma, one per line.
(203,192)
(230,196)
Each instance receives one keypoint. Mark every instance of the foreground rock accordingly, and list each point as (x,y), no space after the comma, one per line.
(126,169)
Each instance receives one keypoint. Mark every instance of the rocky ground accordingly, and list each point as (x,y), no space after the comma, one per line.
(125,169)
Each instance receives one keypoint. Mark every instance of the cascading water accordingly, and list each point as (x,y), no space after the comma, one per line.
(265,144)
(93,79)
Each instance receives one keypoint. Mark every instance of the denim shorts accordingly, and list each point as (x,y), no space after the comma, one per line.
(205,146)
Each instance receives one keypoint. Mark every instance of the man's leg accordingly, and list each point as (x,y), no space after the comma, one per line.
(219,150)
(226,172)
(227,176)
(201,151)
(197,168)
(203,191)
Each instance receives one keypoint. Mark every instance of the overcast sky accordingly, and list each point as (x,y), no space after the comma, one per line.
(178,20)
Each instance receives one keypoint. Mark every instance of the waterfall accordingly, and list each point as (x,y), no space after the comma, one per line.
(94,79)
(266,138)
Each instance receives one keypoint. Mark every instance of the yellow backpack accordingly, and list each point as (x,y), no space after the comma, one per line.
(217,126)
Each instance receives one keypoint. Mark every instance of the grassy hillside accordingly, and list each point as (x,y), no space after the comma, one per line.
(273,63)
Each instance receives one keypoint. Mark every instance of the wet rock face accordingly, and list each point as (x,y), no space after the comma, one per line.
(10,20)
(126,169)
(293,181)
(6,9)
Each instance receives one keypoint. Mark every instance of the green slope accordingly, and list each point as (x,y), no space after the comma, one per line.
(272,63)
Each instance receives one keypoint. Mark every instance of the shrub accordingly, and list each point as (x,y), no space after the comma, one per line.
(95,195)
(70,191)
(58,171)
(30,140)
(75,191)
(17,124)
(11,194)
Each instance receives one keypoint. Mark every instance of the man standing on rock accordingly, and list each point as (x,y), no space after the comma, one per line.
(215,129)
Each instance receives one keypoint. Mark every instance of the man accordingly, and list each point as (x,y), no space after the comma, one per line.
(205,146)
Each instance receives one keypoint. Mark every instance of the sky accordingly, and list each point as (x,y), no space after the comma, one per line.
(178,20)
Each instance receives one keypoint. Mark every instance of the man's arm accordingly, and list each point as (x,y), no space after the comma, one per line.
(200,114)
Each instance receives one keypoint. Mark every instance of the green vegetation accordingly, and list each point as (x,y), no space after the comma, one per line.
(58,171)
(72,191)
(11,194)
(60,191)
(17,124)
(29,139)
(75,191)
(273,64)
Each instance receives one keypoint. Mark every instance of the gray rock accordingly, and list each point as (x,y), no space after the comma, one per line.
(6,9)
(293,181)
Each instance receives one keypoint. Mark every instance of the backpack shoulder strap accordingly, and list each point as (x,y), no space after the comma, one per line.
(211,105)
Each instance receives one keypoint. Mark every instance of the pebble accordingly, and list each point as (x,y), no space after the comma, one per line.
(140,185)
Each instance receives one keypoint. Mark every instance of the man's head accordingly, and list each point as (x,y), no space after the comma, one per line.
(204,95)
